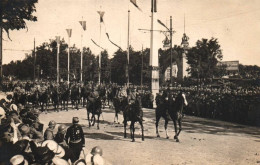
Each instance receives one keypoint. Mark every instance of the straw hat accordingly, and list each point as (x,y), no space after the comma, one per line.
(18,159)
(59,161)
(54,147)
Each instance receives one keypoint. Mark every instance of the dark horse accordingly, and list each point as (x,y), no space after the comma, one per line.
(133,113)
(171,109)
(119,105)
(94,105)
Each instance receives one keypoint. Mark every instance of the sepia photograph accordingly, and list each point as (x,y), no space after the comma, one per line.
(129,82)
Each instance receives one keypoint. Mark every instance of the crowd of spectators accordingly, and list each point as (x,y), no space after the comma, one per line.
(23,139)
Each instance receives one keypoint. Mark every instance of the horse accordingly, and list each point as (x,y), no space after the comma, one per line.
(94,105)
(175,108)
(75,96)
(119,105)
(65,95)
(133,113)
(44,99)
(55,97)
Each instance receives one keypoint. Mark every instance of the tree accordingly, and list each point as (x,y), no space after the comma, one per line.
(13,14)
(203,58)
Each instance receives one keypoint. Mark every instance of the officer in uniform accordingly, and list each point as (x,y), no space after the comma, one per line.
(48,134)
(75,137)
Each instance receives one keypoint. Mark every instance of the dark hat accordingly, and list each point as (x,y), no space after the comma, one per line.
(43,154)
(75,120)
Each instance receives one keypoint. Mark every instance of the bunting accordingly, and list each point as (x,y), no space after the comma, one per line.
(97,44)
(113,42)
(83,24)
(58,39)
(69,31)
(160,22)
(101,14)
(135,4)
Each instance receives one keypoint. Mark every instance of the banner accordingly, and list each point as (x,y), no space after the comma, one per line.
(135,4)
(113,42)
(97,44)
(58,39)
(101,14)
(83,24)
(69,31)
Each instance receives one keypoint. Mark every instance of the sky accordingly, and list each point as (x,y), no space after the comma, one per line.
(235,23)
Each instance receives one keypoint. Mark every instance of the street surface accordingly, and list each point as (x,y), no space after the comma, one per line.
(202,141)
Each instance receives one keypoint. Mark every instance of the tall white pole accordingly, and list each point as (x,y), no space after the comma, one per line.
(81,59)
(69,61)
(99,58)
(154,47)
(58,58)
(128,50)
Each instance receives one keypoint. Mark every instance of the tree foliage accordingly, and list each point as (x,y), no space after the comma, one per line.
(14,13)
(203,58)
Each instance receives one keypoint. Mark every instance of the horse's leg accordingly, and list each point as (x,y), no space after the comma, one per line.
(93,116)
(98,121)
(157,123)
(142,127)
(175,129)
(125,122)
(165,127)
(180,128)
(67,105)
(115,116)
(89,124)
(133,131)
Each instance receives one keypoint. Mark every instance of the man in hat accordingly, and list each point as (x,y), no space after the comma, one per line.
(48,134)
(75,137)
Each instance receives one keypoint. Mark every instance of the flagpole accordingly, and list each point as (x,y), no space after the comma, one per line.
(34,60)
(142,69)
(69,31)
(128,49)
(81,55)
(58,58)
(99,59)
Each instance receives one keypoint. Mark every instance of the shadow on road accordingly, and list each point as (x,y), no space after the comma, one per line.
(193,124)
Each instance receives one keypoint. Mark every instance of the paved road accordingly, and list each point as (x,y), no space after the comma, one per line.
(202,141)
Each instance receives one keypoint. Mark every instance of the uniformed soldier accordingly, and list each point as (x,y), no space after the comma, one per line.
(48,134)
(75,137)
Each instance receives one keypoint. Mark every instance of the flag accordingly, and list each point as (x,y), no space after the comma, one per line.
(69,31)
(58,39)
(154,6)
(160,22)
(101,13)
(97,44)
(83,24)
(135,4)
(113,42)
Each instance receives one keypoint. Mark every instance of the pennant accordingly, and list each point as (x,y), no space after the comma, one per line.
(113,42)
(101,13)
(160,22)
(83,24)
(58,39)
(69,31)
(135,4)
(154,6)
(97,44)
